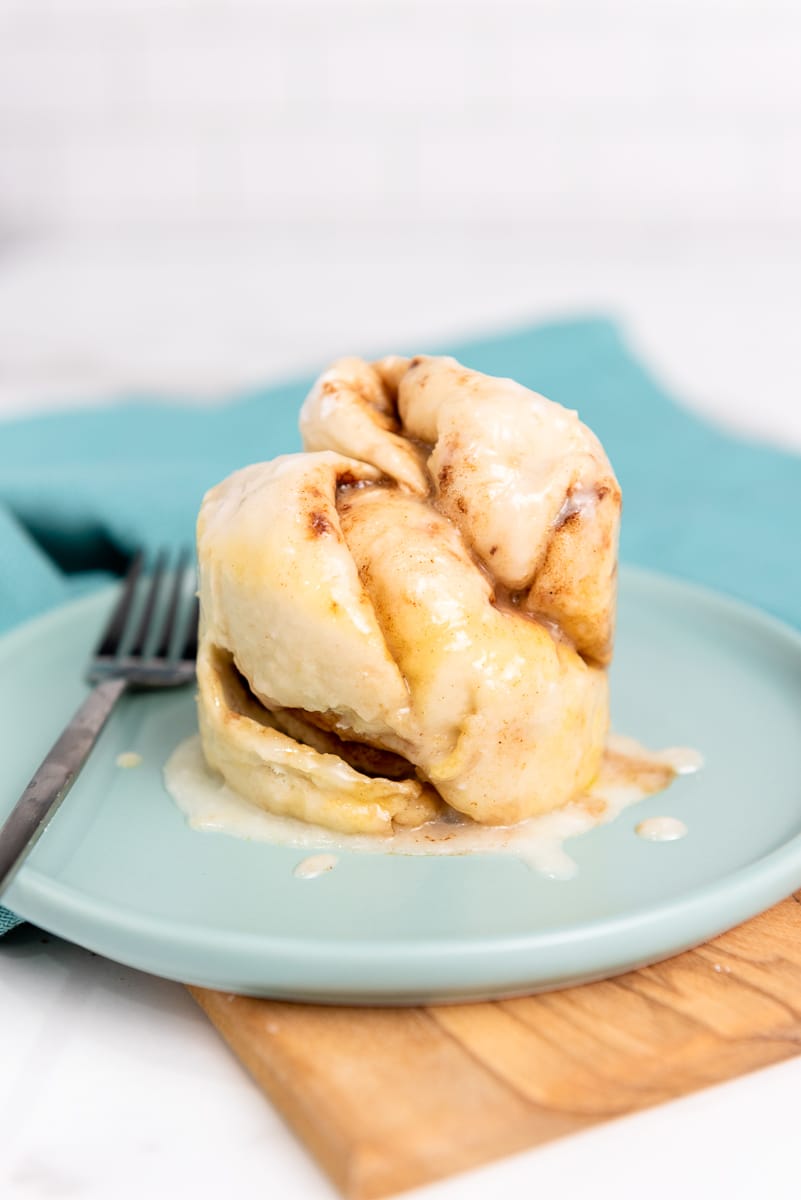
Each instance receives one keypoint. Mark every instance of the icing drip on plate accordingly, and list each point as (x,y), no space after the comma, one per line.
(628,774)
(661,829)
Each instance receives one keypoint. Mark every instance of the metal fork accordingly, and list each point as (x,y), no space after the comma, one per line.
(146,644)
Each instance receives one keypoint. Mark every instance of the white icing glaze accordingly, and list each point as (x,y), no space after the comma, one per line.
(661,829)
(315,865)
(129,759)
(581,500)
(683,760)
(212,806)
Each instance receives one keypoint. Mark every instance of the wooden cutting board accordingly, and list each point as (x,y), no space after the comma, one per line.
(388,1099)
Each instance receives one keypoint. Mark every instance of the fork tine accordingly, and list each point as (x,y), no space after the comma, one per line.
(112,634)
(165,641)
(189,651)
(146,621)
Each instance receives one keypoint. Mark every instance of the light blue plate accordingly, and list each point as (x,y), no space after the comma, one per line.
(120,872)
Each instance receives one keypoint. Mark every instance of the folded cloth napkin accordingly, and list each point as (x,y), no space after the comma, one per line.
(79,491)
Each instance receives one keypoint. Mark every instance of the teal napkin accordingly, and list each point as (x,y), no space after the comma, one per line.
(79,491)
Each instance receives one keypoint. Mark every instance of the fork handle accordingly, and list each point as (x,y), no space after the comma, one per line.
(55,776)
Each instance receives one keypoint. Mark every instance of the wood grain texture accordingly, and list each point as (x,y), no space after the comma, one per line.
(389,1099)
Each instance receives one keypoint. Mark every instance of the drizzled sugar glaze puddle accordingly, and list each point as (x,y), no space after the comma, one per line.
(629,773)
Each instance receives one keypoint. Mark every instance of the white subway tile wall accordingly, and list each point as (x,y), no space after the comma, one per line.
(136,114)
(197,195)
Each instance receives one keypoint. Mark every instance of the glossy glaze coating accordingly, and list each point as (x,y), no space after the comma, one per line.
(418,607)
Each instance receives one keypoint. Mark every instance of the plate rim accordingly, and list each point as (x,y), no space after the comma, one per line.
(717,905)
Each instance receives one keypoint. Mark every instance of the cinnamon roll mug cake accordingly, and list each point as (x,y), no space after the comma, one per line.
(405,630)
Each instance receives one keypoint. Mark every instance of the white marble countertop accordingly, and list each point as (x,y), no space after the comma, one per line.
(113,1084)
